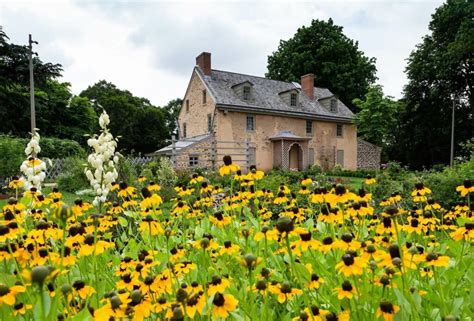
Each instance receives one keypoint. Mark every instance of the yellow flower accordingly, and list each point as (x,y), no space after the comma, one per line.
(345,291)
(228,167)
(434,259)
(150,226)
(466,188)
(8,295)
(223,304)
(350,265)
(387,310)
(285,291)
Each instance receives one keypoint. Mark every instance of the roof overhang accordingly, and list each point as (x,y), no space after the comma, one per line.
(287,113)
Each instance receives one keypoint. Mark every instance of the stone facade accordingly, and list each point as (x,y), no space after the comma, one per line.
(368,155)
(200,114)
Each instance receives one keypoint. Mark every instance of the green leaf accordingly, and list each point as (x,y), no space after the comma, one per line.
(122,221)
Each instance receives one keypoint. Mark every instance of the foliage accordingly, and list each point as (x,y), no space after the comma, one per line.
(72,178)
(377,117)
(166,177)
(248,255)
(59,113)
(439,67)
(171,113)
(334,59)
(140,126)
(12,149)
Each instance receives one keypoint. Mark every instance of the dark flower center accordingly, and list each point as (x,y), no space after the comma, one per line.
(386,307)
(347,286)
(348,259)
(218,299)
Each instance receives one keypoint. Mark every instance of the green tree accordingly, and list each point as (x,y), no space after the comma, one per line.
(171,112)
(439,67)
(334,59)
(141,127)
(377,117)
(14,85)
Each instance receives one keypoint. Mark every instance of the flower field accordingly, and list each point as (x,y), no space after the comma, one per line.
(234,251)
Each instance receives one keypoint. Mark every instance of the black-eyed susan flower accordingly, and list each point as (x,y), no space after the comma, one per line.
(16,182)
(21,308)
(369,180)
(141,178)
(195,304)
(229,248)
(350,265)
(223,304)
(150,226)
(347,290)
(435,259)
(387,310)
(8,294)
(228,166)
(254,174)
(82,289)
(465,232)
(125,190)
(466,188)
(285,291)
(217,285)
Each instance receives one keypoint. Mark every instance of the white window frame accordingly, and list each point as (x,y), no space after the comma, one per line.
(247,123)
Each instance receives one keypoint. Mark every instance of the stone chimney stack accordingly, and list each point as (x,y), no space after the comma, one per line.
(204,62)
(307,85)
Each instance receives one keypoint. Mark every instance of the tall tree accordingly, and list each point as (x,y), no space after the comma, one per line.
(439,67)
(377,117)
(14,85)
(171,112)
(140,125)
(334,59)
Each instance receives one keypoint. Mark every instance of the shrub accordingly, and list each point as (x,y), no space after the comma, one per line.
(73,178)
(166,177)
(12,151)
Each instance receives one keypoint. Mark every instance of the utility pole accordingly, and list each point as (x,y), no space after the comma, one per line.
(32,84)
(451,158)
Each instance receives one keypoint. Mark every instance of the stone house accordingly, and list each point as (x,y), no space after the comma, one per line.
(262,122)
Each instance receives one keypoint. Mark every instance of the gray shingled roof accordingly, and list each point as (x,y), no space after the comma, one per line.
(265,96)
(288,135)
(182,143)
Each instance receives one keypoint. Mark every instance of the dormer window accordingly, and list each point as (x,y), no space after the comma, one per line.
(246,93)
(293,99)
(333,107)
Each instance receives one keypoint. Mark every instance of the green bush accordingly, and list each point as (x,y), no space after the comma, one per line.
(126,171)
(166,177)
(12,151)
(73,178)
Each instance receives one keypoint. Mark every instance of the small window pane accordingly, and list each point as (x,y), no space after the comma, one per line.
(340,157)
(253,155)
(309,127)
(250,123)
(184,130)
(193,161)
(333,105)
(339,132)
(246,95)
(204,96)
(187,105)
(209,123)
(293,99)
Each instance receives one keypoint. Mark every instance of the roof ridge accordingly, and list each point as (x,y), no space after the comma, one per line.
(241,74)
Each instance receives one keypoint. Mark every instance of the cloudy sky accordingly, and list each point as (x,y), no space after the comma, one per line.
(149,47)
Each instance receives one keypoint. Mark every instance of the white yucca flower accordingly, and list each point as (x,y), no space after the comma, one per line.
(33,168)
(101,171)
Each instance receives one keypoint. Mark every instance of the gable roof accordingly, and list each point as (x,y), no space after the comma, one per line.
(266,98)
(182,144)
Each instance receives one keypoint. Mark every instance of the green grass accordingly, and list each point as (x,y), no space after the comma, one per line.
(354,183)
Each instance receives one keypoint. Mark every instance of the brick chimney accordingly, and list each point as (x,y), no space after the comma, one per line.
(307,85)
(204,62)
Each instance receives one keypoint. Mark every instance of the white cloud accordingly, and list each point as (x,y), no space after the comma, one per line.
(149,47)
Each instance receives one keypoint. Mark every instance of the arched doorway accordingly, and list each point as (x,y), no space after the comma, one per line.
(295,156)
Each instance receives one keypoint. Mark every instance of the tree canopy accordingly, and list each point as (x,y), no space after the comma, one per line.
(440,67)
(334,59)
(377,117)
(140,125)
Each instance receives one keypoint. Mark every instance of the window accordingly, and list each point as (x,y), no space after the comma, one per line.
(184,130)
(252,156)
(193,160)
(209,123)
(311,156)
(204,96)
(246,93)
(293,99)
(309,126)
(339,132)
(333,105)
(340,157)
(187,105)
(250,123)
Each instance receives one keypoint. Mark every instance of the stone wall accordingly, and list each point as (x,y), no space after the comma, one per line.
(202,149)
(368,155)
